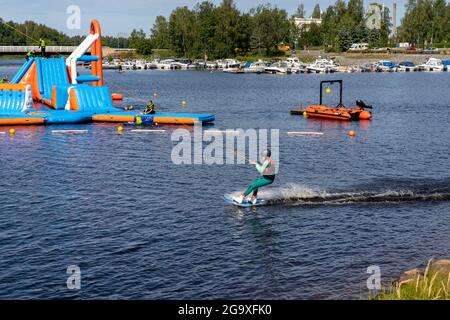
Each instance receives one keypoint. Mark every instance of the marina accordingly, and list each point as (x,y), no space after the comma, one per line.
(290,65)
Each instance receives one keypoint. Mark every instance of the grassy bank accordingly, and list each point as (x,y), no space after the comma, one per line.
(432,284)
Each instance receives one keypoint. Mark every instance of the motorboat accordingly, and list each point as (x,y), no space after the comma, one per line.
(446,64)
(200,64)
(322,66)
(386,66)
(278,67)
(407,66)
(129,65)
(140,65)
(182,64)
(110,65)
(211,65)
(151,65)
(433,64)
(295,64)
(227,63)
(255,67)
(167,64)
(347,69)
(368,67)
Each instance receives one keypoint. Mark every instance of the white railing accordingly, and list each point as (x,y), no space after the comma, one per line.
(22,49)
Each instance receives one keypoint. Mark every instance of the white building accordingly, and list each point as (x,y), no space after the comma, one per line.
(305,23)
(374,15)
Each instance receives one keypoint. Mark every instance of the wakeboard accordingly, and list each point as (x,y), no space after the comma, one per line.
(246,204)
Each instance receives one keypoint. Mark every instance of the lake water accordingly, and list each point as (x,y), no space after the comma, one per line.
(139,226)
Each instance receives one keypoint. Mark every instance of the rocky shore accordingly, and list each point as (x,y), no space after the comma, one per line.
(433,283)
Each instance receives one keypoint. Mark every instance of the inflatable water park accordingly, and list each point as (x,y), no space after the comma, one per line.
(51,91)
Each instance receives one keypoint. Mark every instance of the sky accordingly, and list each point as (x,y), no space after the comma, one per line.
(121,17)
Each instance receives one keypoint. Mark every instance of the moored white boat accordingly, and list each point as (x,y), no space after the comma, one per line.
(407,66)
(322,66)
(295,65)
(433,64)
(227,64)
(255,67)
(278,67)
(386,66)
(182,64)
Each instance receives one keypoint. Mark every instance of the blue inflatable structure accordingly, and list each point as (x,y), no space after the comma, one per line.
(50,91)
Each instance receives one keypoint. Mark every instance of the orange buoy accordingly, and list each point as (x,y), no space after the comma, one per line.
(351,133)
(365,115)
(117,96)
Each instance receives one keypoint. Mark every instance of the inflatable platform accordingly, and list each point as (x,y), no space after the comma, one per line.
(51,91)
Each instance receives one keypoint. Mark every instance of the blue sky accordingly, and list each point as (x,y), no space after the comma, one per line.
(118,17)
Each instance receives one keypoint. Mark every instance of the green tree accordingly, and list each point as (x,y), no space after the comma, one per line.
(317,13)
(440,22)
(312,37)
(182,32)
(226,35)
(206,26)
(374,38)
(271,27)
(417,24)
(330,24)
(385,27)
(355,10)
(345,39)
(139,42)
(300,12)
(160,33)
(245,31)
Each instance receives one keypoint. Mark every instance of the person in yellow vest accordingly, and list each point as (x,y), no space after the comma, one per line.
(42,46)
(138,120)
(150,108)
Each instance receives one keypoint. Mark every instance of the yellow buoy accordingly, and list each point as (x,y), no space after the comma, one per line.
(328,90)
(305,114)
(120,129)
(12,131)
(351,133)
(183,103)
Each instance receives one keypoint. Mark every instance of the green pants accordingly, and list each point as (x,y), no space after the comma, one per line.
(258,183)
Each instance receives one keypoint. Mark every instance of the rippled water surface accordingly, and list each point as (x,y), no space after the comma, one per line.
(139,226)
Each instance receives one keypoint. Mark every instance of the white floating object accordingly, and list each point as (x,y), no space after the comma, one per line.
(69,131)
(147,130)
(305,133)
(221,131)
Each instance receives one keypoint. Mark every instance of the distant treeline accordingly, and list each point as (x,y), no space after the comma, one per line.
(211,31)
(426,21)
(29,33)
(224,31)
